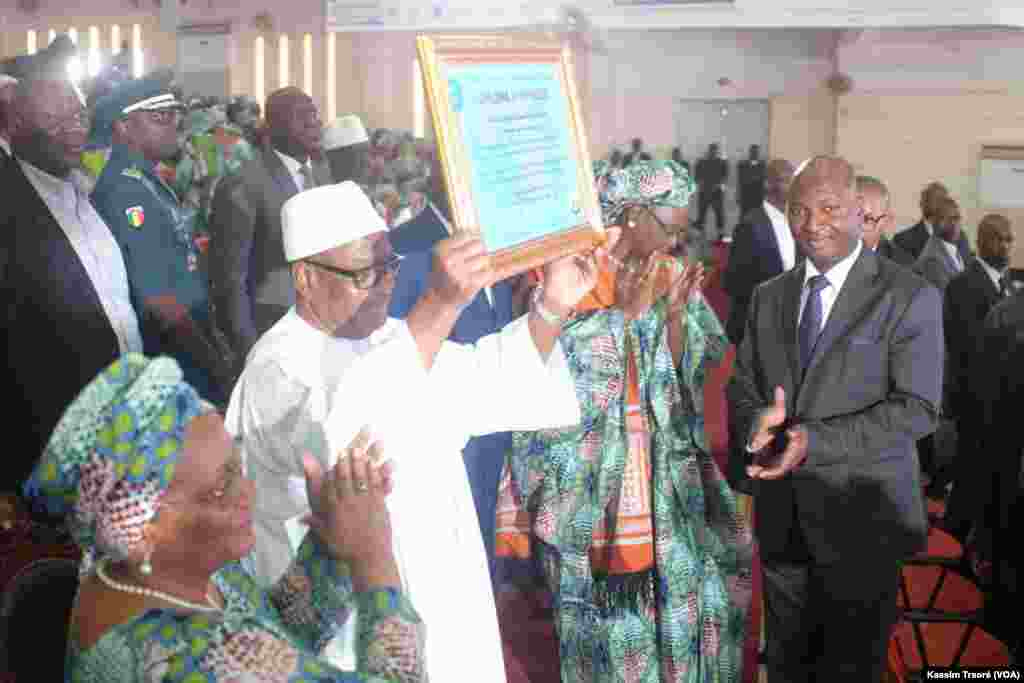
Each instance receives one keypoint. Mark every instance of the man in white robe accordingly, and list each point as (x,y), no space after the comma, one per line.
(335,363)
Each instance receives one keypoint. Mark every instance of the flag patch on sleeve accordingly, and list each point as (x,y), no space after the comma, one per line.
(136,216)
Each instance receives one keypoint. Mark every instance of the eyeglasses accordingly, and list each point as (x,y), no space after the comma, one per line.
(873,221)
(364,278)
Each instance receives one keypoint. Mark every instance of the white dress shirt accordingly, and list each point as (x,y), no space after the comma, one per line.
(783,236)
(954,254)
(305,391)
(295,169)
(836,277)
(997,276)
(95,247)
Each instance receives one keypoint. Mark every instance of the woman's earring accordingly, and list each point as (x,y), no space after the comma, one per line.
(146,568)
(631,224)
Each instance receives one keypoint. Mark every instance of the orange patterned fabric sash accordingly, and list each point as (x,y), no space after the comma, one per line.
(623,541)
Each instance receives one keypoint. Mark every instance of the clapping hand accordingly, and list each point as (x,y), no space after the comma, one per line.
(347,502)
(771,461)
(686,285)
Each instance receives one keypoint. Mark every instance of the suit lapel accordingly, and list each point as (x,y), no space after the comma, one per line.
(984,283)
(49,231)
(278,173)
(858,291)
(790,314)
(770,241)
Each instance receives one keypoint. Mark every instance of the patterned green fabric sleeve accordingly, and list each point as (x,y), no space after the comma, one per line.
(706,344)
(391,637)
(314,596)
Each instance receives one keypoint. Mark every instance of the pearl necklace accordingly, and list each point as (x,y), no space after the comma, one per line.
(149,592)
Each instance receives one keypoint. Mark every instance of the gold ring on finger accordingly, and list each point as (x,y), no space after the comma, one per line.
(361,487)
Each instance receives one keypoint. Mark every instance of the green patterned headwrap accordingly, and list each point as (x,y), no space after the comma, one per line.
(113,453)
(642,183)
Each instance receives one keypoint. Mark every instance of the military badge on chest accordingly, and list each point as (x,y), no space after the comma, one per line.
(136,216)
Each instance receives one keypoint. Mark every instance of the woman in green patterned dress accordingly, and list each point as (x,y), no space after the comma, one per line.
(154,493)
(642,542)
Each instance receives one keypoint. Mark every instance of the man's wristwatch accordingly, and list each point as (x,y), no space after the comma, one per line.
(537,307)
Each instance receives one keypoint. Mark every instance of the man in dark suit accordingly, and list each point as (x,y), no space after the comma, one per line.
(913,239)
(837,377)
(489,312)
(251,284)
(762,247)
(874,202)
(941,259)
(750,178)
(711,173)
(65,304)
(939,262)
(968,299)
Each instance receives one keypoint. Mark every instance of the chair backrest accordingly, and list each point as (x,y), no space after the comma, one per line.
(35,611)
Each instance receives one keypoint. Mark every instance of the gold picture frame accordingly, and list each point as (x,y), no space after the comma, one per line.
(513,146)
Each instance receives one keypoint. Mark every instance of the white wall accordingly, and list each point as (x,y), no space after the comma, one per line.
(634,85)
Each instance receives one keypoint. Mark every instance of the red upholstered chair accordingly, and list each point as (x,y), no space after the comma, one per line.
(35,611)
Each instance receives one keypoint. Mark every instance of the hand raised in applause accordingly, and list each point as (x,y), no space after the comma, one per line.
(772,459)
(349,513)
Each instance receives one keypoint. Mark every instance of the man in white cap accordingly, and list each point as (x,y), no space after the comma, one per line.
(347,148)
(336,363)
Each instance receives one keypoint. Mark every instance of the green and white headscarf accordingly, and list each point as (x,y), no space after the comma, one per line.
(112,456)
(642,183)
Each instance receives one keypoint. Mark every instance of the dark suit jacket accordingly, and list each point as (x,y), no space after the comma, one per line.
(418,234)
(751,181)
(250,281)
(913,239)
(936,265)
(754,257)
(968,299)
(891,251)
(871,391)
(56,335)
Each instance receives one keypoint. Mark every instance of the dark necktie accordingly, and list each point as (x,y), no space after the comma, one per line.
(810,322)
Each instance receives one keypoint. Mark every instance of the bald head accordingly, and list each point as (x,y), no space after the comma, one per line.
(294,123)
(995,239)
(820,171)
(778,175)
(930,196)
(823,211)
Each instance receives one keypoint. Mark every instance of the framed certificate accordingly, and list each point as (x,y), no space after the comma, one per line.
(513,147)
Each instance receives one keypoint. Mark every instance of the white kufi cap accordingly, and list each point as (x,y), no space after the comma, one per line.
(326,217)
(344,131)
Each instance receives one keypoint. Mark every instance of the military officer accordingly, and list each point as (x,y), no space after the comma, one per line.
(155,231)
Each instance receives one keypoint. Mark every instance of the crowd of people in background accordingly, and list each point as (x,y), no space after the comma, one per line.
(229,293)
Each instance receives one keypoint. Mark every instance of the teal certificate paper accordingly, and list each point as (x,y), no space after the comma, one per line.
(516,131)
